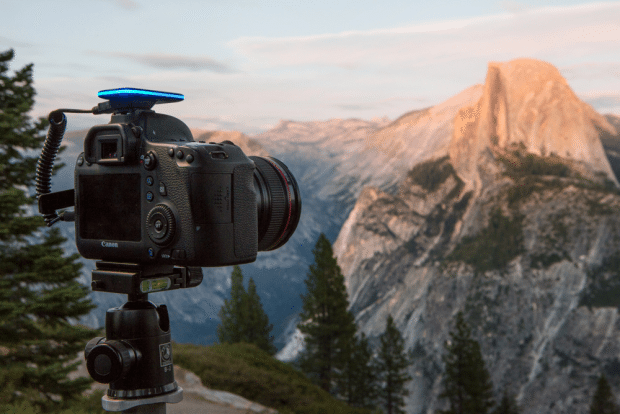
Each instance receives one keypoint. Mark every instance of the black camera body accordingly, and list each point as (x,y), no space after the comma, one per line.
(145,192)
(153,206)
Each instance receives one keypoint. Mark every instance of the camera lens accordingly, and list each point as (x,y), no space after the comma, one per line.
(278,202)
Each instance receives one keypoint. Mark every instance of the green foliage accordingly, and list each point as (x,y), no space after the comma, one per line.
(603,289)
(495,246)
(39,293)
(246,370)
(604,401)
(258,329)
(431,174)
(90,404)
(520,165)
(243,318)
(529,172)
(392,364)
(328,326)
(544,260)
(359,383)
(466,383)
(508,405)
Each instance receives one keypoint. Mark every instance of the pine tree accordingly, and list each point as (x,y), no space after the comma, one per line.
(258,328)
(326,323)
(392,364)
(359,382)
(603,401)
(40,298)
(243,318)
(508,405)
(467,384)
(232,313)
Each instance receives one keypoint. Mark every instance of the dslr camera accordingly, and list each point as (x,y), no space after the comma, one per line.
(147,193)
(153,206)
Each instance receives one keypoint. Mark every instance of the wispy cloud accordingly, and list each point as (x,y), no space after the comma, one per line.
(550,31)
(604,100)
(592,69)
(126,4)
(12,43)
(167,61)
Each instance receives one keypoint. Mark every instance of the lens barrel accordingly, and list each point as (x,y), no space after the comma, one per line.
(278,202)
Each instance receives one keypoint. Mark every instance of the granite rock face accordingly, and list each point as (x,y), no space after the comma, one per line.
(519,234)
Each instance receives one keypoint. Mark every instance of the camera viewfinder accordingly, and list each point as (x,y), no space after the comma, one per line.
(109,148)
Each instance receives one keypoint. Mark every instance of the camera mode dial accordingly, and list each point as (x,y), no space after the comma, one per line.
(161,224)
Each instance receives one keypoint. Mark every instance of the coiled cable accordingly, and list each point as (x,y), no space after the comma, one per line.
(45,165)
(58,124)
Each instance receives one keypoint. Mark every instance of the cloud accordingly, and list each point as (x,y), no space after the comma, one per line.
(592,69)
(126,4)
(514,6)
(549,32)
(604,101)
(167,61)
(12,43)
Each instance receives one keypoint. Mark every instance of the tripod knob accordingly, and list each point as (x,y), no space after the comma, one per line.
(108,361)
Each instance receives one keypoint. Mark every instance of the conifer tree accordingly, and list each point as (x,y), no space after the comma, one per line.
(508,405)
(467,384)
(231,314)
(392,364)
(40,298)
(243,318)
(359,382)
(327,325)
(258,328)
(603,401)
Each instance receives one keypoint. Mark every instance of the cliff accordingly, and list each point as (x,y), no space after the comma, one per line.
(527,102)
(516,225)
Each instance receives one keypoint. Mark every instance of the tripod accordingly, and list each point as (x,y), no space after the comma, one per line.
(135,356)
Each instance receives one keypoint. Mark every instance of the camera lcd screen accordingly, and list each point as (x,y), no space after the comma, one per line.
(110,207)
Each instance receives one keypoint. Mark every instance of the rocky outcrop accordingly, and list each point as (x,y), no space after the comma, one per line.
(527,102)
(546,316)
(516,225)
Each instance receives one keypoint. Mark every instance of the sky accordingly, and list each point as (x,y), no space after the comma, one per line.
(245,65)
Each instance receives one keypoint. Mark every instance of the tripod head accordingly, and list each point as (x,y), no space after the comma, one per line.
(135,356)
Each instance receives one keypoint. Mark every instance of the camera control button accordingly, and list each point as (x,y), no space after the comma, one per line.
(160,224)
(180,154)
(149,181)
(150,161)
(80,161)
(149,196)
(171,152)
(151,252)
(189,158)
(162,189)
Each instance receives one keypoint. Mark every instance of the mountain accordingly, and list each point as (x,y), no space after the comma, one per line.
(514,221)
(527,102)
